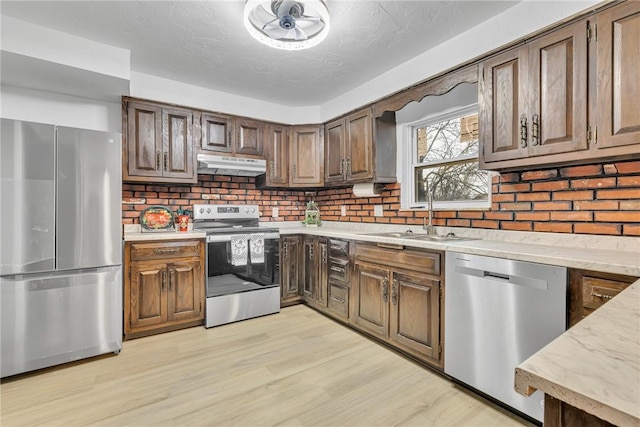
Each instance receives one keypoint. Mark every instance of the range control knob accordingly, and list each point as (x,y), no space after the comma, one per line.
(201,210)
(208,210)
(252,210)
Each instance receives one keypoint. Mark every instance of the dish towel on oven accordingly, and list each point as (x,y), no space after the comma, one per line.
(239,249)
(256,248)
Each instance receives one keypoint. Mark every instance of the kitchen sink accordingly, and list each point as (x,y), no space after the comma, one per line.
(396,234)
(434,238)
(420,236)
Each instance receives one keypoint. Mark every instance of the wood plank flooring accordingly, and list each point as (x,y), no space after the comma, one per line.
(296,368)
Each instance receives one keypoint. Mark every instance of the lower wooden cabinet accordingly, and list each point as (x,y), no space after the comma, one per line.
(560,414)
(290,270)
(589,290)
(163,287)
(396,304)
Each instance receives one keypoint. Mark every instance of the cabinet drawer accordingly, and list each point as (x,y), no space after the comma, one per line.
(339,269)
(596,292)
(408,259)
(339,299)
(177,249)
(338,248)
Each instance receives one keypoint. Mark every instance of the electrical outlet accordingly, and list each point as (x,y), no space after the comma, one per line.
(377,210)
(274,212)
(343,210)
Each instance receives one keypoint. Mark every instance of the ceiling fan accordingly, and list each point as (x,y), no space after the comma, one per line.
(287,24)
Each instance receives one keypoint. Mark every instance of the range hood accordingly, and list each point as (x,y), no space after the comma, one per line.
(225,165)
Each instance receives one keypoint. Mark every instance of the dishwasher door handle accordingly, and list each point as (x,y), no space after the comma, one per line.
(504,278)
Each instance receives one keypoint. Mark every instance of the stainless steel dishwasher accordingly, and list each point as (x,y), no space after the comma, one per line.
(499,312)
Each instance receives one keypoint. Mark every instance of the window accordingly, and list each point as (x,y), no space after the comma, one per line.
(443,161)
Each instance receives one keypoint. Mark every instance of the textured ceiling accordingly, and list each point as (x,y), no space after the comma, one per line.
(204,43)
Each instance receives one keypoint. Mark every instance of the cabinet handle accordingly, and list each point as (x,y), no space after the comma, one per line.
(385,289)
(229,136)
(159,251)
(599,295)
(166,160)
(157,160)
(337,269)
(172,274)
(164,280)
(394,292)
(285,246)
(338,300)
(342,167)
(272,171)
(535,127)
(347,167)
(523,131)
(324,254)
(295,171)
(311,253)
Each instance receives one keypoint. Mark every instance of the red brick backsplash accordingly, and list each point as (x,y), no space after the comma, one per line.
(591,199)
(214,190)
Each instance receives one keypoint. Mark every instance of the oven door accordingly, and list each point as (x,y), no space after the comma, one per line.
(242,262)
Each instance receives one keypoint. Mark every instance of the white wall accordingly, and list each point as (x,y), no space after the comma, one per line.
(58,109)
(160,89)
(518,21)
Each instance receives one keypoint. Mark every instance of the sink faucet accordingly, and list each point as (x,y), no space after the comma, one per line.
(429,227)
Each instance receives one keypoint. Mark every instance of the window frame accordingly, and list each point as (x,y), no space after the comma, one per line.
(409,159)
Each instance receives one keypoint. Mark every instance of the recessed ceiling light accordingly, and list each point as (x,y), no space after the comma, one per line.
(286,24)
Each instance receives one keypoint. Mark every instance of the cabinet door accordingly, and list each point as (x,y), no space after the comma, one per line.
(144,140)
(277,154)
(217,131)
(618,65)
(358,146)
(323,277)
(415,314)
(186,286)
(558,91)
(309,269)
(371,310)
(249,136)
(503,106)
(307,167)
(148,299)
(334,152)
(178,159)
(289,260)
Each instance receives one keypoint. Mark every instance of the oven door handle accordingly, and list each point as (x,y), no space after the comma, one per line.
(227,237)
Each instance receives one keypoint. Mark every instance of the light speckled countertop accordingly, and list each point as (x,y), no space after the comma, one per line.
(619,255)
(595,365)
(132,234)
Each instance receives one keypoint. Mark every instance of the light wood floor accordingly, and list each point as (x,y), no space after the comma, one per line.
(296,368)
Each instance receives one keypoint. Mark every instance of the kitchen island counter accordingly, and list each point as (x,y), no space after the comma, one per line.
(595,365)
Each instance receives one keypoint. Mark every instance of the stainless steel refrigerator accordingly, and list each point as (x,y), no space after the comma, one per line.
(60,245)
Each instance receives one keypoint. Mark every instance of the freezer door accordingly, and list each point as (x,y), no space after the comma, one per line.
(89,214)
(54,318)
(27,197)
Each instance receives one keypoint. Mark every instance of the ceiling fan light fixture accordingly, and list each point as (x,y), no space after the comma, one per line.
(287,24)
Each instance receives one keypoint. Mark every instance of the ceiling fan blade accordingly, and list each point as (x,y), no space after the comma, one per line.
(309,18)
(260,14)
(300,35)
(272,23)
(277,33)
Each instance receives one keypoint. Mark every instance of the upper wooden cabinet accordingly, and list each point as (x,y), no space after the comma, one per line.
(158,144)
(276,152)
(570,96)
(249,135)
(216,132)
(618,84)
(533,98)
(351,144)
(306,154)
